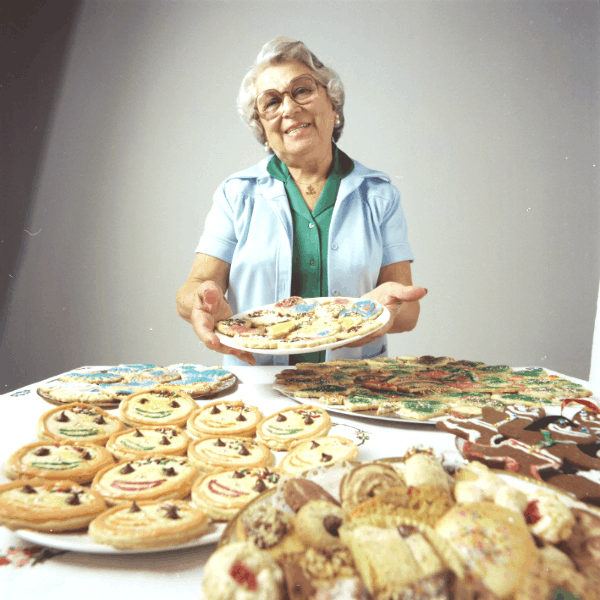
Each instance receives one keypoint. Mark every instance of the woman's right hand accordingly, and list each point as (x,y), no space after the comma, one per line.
(209,306)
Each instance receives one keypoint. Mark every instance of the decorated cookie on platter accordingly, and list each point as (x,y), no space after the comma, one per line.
(217,453)
(78,422)
(143,525)
(321,452)
(224,418)
(146,441)
(286,427)
(223,493)
(158,406)
(161,477)
(48,505)
(77,461)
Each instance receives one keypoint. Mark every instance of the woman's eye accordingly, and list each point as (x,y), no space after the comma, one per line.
(272,102)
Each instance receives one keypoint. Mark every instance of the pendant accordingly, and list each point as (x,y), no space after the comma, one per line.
(310,190)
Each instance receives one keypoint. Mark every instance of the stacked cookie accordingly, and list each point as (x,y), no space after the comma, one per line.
(403,530)
(162,460)
(422,388)
(107,387)
(296,323)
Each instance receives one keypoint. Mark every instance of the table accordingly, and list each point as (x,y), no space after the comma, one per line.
(26,574)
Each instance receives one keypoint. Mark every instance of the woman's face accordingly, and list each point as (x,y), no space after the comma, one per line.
(299,131)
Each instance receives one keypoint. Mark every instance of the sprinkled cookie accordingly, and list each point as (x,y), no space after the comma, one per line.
(146,441)
(46,505)
(158,478)
(159,406)
(223,493)
(214,453)
(77,461)
(78,421)
(290,425)
(224,418)
(321,452)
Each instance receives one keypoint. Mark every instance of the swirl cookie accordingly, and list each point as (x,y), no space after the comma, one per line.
(321,452)
(45,505)
(160,406)
(290,425)
(224,418)
(149,524)
(215,453)
(76,461)
(223,493)
(366,481)
(158,478)
(144,442)
(78,421)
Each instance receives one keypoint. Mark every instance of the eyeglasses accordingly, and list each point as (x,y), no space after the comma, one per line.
(301,90)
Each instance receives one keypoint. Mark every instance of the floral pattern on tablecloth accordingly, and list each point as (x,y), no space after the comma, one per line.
(29,555)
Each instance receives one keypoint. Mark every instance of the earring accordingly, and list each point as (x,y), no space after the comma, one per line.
(267,146)
(337,119)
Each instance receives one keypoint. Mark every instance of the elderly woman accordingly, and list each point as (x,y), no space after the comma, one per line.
(306,221)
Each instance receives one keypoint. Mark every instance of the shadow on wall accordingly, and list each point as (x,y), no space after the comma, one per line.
(35,43)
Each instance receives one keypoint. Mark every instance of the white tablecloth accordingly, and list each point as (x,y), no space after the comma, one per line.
(168,574)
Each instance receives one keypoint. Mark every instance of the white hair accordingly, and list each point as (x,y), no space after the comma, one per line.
(279,50)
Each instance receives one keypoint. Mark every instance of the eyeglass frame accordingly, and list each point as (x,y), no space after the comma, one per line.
(287,91)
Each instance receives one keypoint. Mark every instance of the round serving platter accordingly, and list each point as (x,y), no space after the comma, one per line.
(381,320)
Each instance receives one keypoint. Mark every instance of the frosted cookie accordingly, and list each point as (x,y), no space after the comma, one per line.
(421,410)
(158,478)
(144,442)
(155,375)
(283,307)
(77,461)
(264,317)
(144,525)
(45,505)
(256,340)
(319,328)
(159,406)
(67,392)
(298,423)
(78,421)
(357,329)
(224,418)
(223,493)
(332,308)
(239,327)
(241,570)
(321,452)
(214,453)
(93,377)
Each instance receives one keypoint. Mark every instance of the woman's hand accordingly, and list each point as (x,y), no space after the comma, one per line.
(209,306)
(201,302)
(403,303)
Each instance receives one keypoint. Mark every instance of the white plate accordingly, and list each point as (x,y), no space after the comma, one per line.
(82,542)
(382,319)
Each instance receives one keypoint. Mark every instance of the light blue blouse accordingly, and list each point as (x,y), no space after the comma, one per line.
(250,227)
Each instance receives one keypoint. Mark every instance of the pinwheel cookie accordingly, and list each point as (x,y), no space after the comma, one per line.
(149,524)
(78,421)
(58,460)
(224,493)
(158,478)
(144,442)
(45,505)
(159,406)
(224,418)
(214,453)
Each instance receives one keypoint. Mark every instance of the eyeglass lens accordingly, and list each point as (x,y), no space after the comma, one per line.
(302,90)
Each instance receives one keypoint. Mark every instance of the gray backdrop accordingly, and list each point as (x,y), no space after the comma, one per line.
(484,113)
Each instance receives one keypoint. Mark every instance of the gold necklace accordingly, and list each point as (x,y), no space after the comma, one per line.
(310,190)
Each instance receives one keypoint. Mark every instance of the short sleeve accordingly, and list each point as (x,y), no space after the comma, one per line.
(394,232)
(219,238)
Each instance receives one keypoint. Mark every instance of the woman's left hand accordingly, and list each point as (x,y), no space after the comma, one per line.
(403,303)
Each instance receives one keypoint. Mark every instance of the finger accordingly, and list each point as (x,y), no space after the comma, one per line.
(211,299)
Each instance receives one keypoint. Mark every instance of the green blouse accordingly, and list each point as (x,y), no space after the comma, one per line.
(311,234)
